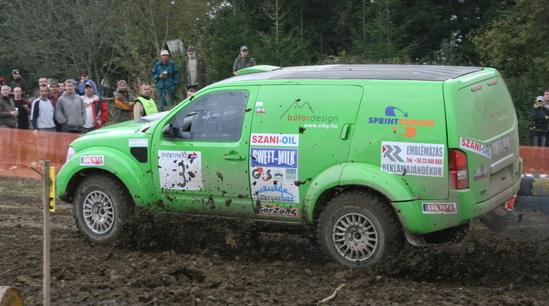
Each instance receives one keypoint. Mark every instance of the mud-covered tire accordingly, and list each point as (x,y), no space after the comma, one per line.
(373,237)
(91,200)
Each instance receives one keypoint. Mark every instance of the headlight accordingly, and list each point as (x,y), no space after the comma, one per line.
(70,154)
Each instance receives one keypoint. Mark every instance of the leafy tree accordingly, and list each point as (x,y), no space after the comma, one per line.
(516,45)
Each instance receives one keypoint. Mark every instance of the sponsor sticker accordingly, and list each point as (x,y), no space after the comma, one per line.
(286,158)
(180,170)
(280,140)
(259,109)
(138,143)
(304,113)
(430,208)
(400,122)
(273,172)
(481,172)
(408,158)
(92,160)
(474,146)
(278,211)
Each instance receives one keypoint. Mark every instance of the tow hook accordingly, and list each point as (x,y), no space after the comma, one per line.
(498,219)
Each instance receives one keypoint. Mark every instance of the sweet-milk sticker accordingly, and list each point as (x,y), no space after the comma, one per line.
(430,208)
(285,158)
(474,146)
(180,170)
(408,158)
(92,160)
(275,140)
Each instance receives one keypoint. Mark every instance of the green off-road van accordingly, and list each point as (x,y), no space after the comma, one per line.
(368,156)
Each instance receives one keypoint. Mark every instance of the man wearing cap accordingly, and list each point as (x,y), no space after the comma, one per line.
(8,112)
(145,105)
(166,76)
(84,78)
(243,60)
(123,101)
(18,81)
(97,112)
(195,70)
(69,110)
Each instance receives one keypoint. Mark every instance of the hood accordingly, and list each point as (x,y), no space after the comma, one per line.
(143,125)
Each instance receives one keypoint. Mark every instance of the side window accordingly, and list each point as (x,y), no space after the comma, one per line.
(216,116)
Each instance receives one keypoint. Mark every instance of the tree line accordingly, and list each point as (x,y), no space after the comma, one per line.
(120,39)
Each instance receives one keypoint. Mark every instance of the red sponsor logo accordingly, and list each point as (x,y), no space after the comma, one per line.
(92,161)
(439,208)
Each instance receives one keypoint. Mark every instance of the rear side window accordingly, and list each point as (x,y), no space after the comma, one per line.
(215,116)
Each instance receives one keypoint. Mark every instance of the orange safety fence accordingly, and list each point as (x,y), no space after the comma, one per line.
(535,160)
(22,150)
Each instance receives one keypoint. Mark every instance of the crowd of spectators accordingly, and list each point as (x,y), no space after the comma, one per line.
(81,106)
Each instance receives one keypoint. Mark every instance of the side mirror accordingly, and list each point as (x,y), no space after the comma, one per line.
(187,122)
(170,131)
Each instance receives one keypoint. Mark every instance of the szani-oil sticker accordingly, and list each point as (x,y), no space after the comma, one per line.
(276,140)
(408,158)
(180,170)
(474,146)
(92,160)
(429,208)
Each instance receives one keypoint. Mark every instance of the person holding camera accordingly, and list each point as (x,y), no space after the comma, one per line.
(166,76)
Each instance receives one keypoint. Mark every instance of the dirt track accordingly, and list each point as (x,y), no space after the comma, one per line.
(186,261)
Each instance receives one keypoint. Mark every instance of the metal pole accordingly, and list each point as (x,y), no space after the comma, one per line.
(46,283)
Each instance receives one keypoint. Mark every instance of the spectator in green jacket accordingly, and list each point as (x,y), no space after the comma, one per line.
(243,60)
(166,76)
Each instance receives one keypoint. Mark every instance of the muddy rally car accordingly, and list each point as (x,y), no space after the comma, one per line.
(368,156)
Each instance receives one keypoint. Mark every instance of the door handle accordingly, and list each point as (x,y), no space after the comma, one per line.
(233,155)
(345,131)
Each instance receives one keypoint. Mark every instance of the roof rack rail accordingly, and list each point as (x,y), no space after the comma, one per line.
(257,69)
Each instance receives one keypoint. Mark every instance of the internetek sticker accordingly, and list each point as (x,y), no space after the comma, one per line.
(430,208)
(180,170)
(93,160)
(474,146)
(279,140)
(408,158)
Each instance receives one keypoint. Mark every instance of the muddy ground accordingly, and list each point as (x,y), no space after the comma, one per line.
(187,261)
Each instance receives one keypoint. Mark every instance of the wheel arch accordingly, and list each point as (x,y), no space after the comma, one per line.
(353,176)
(77,178)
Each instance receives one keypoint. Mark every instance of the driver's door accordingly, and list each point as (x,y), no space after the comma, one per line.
(201,156)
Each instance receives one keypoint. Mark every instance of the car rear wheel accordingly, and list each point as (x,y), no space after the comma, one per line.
(102,209)
(357,229)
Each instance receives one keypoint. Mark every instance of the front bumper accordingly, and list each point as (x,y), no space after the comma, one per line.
(415,221)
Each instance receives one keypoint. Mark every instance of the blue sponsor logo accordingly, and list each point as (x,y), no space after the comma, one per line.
(282,158)
(275,194)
